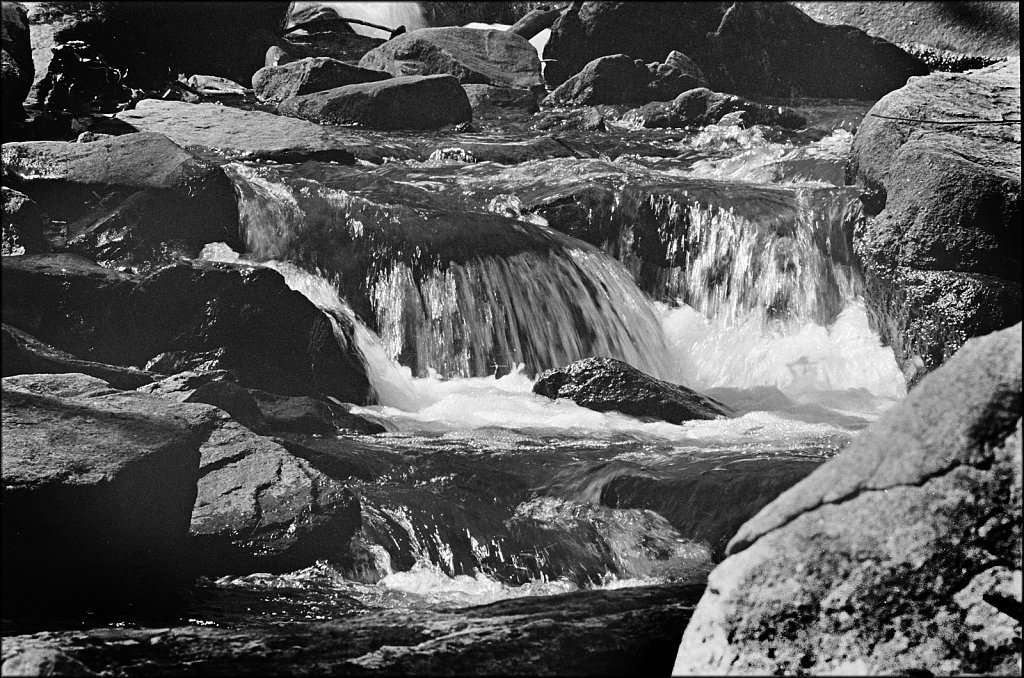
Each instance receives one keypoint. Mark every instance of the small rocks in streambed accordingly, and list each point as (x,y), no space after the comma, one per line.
(410,102)
(261,509)
(471,55)
(901,554)
(98,495)
(621,79)
(942,246)
(305,76)
(701,106)
(606,384)
(130,199)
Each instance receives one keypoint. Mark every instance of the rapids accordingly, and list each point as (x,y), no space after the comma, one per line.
(716,259)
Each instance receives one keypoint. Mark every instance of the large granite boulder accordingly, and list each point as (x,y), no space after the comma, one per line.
(305,76)
(984,28)
(942,244)
(748,48)
(270,336)
(605,384)
(472,55)
(407,102)
(16,69)
(97,498)
(902,554)
(126,200)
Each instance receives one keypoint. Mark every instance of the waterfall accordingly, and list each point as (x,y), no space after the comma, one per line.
(457,293)
(390,14)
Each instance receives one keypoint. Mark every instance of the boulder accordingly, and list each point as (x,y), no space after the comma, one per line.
(24,354)
(990,29)
(97,500)
(303,414)
(272,337)
(605,384)
(130,199)
(38,658)
(261,509)
(488,99)
(408,102)
(305,76)
(943,207)
(217,388)
(619,79)
(901,554)
(472,55)
(16,69)
(701,106)
(269,335)
(250,135)
(749,48)
(24,224)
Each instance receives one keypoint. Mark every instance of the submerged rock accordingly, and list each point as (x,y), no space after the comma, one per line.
(305,76)
(472,55)
(700,106)
(97,499)
(408,102)
(942,247)
(488,99)
(900,554)
(128,199)
(605,384)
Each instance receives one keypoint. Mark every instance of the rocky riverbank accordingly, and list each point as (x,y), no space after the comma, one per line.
(183,402)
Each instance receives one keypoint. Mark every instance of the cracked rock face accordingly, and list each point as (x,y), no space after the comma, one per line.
(902,553)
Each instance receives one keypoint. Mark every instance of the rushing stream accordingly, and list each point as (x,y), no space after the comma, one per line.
(715,259)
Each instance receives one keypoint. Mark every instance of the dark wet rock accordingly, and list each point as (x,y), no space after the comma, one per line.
(303,414)
(897,555)
(408,102)
(986,28)
(269,335)
(944,212)
(488,99)
(70,303)
(471,55)
(700,106)
(272,337)
(750,48)
(242,135)
(151,42)
(217,388)
(128,199)
(600,632)
(17,69)
(261,509)
(305,76)
(24,354)
(711,499)
(24,224)
(620,79)
(97,499)
(605,384)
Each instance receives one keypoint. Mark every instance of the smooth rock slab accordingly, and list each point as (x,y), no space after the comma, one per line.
(409,102)
(97,498)
(605,384)
(901,554)
(472,55)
